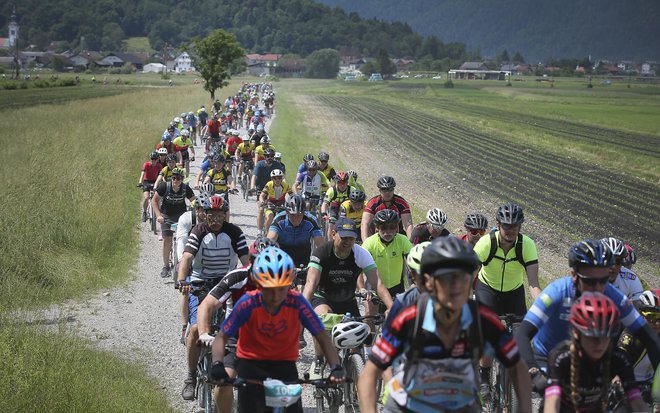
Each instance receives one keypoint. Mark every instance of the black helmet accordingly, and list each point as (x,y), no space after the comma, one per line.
(172,157)
(269,152)
(590,253)
(295,205)
(510,214)
(476,221)
(323,156)
(218,158)
(153,155)
(311,165)
(448,254)
(385,182)
(357,195)
(308,157)
(386,216)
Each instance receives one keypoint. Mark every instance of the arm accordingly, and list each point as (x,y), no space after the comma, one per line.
(551,404)
(219,344)
(651,341)
(253,181)
(328,348)
(367,217)
(522,385)
(141,177)
(318,241)
(367,387)
(155,204)
(313,278)
(204,313)
(158,180)
(533,278)
(406,221)
(198,178)
(272,235)
(381,290)
(245,260)
(524,334)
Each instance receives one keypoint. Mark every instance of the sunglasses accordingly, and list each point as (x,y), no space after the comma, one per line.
(387,190)
(477,231)
(389,227)
(651,317)
(508,227)
(277,177)
(593,281)
(176,178)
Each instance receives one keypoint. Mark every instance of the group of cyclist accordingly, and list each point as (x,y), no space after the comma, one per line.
(321,240)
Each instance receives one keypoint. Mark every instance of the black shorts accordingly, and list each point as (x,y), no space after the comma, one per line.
(338,307)
(166,226)
(148,186)
(230,355)
(215,135)
(502,302)
(184,155)
(252,399)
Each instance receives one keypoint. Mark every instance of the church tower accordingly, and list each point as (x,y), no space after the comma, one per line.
(13,28)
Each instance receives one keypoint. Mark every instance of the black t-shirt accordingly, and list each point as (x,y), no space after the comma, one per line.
(173,204)
(421,234)
(590,377)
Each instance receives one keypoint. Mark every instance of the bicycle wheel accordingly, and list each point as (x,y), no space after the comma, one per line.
(246,188)
(152,218)
(353,366)
(328,400)
(204,390)
(510,396)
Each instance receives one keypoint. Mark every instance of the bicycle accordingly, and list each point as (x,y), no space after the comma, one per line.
(503,398)
(313,206)
(244,180)
(151,216)
(174,259)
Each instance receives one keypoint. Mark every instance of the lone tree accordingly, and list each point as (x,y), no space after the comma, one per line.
(213,56)
(322,64)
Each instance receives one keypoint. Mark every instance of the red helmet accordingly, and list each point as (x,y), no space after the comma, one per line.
(341,177)
(218,202)
(595,315)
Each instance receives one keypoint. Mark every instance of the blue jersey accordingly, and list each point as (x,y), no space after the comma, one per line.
(289,235)
(302,168)
(550,312)
(205,166)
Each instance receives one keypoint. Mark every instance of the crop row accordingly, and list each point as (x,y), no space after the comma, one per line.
(565,192)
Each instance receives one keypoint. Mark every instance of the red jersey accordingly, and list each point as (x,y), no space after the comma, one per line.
(170,147)
(232,143)
(213,126)
(265,336)
(397,204)
(151,171)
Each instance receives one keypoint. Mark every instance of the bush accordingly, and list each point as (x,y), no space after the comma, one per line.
(88,72)
(115,71)
(449,84)
(165,76)
(41,84)
(9,85)
(23,85)
(66,82)
(589,85)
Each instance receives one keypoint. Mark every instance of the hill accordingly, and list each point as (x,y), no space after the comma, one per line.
(609,29)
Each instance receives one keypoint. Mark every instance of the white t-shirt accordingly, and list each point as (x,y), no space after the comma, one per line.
(628,283)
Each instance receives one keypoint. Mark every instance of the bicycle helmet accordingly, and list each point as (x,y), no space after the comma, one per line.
(357,195)
(324,156)
(251,128)
(185,132)
(265,139)
(273,268)
(202,201)
(207,187)
(190,113)
(295,205)
(172,157)
(590,253)
(218,157)
(308,157)
(183,114)
(276,172)
(510,213)
(278,155)
(476,221)
(352,173)
(153,155)
(350,334)
(235,132)
(260,244)
(218,202)
(386,182)
(269,152)
(448,254)
(595,315)
(177,120)
(341,177)
(414,259)
(649,301)
(616,246)
(223,116)
(631,258)
(260,127)
(178,171)
(162,151)
(311,165)
(436,217)
(386,216)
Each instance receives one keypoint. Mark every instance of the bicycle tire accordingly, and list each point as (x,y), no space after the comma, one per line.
(205,393)
(510,396)
(353,366)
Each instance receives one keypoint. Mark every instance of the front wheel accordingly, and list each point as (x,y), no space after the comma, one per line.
(204,389)
(354,366)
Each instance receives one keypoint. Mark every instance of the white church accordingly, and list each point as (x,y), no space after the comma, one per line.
(9,42)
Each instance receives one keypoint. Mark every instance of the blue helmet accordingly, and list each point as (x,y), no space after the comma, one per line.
(273,268)
(590,253)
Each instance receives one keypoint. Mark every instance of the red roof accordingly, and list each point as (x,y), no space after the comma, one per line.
(271,57)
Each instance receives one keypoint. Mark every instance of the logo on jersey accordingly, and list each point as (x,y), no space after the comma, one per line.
(273,329)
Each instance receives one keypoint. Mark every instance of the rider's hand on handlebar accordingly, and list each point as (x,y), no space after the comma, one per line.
(206,340)
(218,372)
(139,185)
(366,294)
(184,288)
(161,219)
(539,380)
(337,374)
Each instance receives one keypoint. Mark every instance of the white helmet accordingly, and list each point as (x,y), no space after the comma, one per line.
(278,155)
(177,120)
(190,113)
(185,132)
(265,139)
(350,335)
(436,217)
(235,132)
(276,172)
(162,151)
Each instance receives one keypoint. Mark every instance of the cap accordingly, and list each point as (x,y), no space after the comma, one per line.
(346,228)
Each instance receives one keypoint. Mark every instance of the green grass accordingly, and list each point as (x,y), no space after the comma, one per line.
(49,372)
(138,44)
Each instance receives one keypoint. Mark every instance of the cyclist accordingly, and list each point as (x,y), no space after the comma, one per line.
(546,322)
(182,144)
(169,203)
(270,352)
(581,370)
(621,277)
(165,174)
(243,155)
(278,158)
(324,167)
(273,195)
(166,142)
(386,199)
(352,208)
(442,335)
(162,157)
(192,124)
(202,117)
(389,250)
(260,177)
(233,141)
(303,166)
(334,196)
(148,177)
(433,227)
(311,184)
(353,181)
(649,306)
(213,249)
(259,150)
(476,226)
(334,268)
(213,129)
(234,285)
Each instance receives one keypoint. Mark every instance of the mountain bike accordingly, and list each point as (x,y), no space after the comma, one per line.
(503,398)
(245,177)
(174,259)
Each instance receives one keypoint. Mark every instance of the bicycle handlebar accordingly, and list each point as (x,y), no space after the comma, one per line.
(241,382)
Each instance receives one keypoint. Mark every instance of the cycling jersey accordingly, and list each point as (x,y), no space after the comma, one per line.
(355,184)
(295,241)
(219,179)
(235,284)
(151,171)
(166,173)
(550,311)
(339,275)
(389,257)
(219,252)
(505,273)
(636,351)
(591,376)
(262,172)
(329,171)
(346,211)
(421,233)
(314,185)
(183,227)
(233,143)
(276,194)
(182,144)
(173,203)
(259,151)
(213,127)
(245,150)
(628,283)
(397,203)
(266,336)
(335,197)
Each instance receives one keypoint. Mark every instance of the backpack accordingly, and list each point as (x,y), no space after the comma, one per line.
(493,250)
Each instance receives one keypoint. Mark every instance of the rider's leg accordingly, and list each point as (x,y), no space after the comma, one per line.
(269,219)
(224,395)
(260,219)
(145,202)
(167,245)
